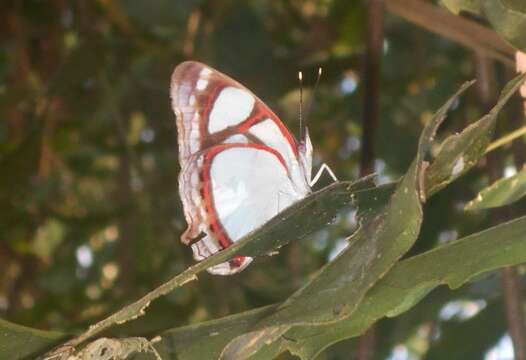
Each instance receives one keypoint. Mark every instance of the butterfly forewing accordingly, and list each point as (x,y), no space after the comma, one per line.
(240,165)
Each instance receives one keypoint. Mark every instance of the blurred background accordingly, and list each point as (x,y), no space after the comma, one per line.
(90,215)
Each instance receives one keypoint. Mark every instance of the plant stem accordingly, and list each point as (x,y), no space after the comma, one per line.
(506,139)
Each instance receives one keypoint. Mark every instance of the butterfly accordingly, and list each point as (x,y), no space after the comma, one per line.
(240,166)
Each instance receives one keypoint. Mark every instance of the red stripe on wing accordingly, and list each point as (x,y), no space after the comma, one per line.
(206,188)
(189,73)
(262,112)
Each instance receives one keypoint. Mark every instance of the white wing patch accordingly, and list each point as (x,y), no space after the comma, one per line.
(269,133)
(249,186)
(201,84)
(231,107)
(205,72)
(236,139)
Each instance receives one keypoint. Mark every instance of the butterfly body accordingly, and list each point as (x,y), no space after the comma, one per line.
(240,166)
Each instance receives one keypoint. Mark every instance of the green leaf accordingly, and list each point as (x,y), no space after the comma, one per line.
(405,285)
(452,264)
(458,6)
(294,223)
(20,342)
(460,152)
(507,17)
(207,340)
(502,192)
(335,292)
(517,5)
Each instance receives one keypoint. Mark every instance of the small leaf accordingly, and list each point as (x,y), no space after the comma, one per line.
(458,6)
(502,192)
(19,342)
(460,152)
(508,18)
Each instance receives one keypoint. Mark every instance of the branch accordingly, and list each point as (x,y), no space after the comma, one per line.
(373,57)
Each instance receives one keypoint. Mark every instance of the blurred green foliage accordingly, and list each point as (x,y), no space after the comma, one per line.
(89,209)
(508,17)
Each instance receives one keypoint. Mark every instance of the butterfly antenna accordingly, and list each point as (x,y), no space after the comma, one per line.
(318,77)
(313,96)
(300,79)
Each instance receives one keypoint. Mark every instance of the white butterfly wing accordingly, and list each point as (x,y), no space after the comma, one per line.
(240,166)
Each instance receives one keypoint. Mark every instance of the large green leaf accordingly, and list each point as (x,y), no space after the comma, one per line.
(406,284)
(508,17)
(294,223)
(207,340)
(336,290)
(20,342)
(502,192)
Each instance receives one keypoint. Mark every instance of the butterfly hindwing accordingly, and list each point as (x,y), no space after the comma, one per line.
(238,200)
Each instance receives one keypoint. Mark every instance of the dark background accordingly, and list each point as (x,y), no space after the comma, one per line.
(90,216)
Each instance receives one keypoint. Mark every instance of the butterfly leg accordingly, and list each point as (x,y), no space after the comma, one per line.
(323,167)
